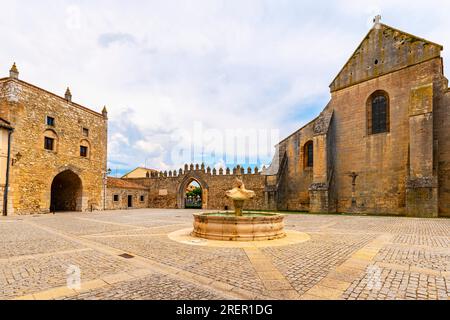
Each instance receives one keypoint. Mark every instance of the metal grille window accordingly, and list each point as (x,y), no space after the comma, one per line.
(49,143)
(378,113)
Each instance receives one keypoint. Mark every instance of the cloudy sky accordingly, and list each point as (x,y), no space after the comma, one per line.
(178,77)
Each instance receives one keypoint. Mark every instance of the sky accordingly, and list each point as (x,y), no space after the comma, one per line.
(219,82)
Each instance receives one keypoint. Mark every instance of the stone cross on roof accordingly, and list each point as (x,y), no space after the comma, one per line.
(377,19)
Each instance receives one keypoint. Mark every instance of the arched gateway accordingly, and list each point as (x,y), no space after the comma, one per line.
(66,192)
(185,183)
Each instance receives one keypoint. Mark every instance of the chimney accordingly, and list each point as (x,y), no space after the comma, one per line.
(68,95)
(14,73)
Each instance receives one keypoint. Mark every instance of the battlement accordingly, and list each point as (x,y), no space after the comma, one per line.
(236,171)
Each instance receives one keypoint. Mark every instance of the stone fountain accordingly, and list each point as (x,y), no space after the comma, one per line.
(239,226)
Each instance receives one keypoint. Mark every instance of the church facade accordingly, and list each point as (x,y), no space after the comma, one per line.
(381,144)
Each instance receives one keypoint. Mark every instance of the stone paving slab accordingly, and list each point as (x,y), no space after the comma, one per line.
(343,257)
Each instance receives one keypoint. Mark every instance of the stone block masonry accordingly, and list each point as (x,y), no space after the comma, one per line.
(49,171)
(167,189)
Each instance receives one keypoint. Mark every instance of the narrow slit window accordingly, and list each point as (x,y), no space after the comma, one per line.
(309,154)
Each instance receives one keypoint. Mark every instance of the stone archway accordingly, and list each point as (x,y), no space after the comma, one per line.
(66,192)
(182,191)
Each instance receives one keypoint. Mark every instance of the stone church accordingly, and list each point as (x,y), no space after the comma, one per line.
(381,145)
(52,151)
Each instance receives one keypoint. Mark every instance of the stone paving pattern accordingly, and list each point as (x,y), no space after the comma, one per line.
(347,257)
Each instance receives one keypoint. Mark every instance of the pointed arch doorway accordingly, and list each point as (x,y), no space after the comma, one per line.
(192,193)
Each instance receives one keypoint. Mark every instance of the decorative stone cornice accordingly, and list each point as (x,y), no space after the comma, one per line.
(320,186)
(424,182)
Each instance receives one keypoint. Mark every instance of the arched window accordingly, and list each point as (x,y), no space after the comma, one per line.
(378,113)
(309,154)
(85,149)
(50,140)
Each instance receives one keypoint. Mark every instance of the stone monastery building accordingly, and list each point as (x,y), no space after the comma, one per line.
(380,146)
(52,151)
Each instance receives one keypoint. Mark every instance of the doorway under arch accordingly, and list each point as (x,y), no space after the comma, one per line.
(66,192)
(192,194)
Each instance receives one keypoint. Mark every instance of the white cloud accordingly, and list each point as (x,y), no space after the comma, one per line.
(149,148)
(161,66)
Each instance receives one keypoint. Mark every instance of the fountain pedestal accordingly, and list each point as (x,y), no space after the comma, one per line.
(238,207)
(238,226)
(248,227)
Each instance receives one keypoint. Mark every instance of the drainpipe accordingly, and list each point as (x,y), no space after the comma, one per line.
(5,194)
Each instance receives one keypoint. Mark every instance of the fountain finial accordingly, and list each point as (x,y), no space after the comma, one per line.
(239,195)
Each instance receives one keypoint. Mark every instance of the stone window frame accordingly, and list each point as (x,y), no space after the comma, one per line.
(116,196)
(51,134)
(87,144)
(53,121)
(306,159)
(369,112)
(85,132)
(142,198)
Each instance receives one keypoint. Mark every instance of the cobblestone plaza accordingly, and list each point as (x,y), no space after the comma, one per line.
(132,255)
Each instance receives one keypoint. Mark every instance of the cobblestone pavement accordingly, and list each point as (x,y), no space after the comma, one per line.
(347,257)
(154,287)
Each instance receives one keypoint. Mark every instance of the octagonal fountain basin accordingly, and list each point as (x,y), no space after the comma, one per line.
(248,227)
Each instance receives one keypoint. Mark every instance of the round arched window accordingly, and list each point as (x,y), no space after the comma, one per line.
(378,113)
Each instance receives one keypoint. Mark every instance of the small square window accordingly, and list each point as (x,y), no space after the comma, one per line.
(49,143)
(50,121)
(116,198)
(142,198)
(85,132)
(83,151)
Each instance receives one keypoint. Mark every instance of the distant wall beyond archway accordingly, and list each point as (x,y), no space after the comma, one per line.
(66,192)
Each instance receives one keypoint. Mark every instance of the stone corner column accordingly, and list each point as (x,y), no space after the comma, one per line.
(319,198)
(319,194)
(421,184)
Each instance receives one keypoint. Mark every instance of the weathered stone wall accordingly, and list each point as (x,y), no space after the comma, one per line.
(34,168)
(122,202)
(442,145)
(410,71)
(381,160)
(293,191)
(168,190)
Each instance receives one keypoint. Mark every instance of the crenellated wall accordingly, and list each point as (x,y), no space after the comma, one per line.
(167,189)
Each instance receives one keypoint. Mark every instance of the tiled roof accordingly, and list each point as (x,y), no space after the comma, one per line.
(124,184)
